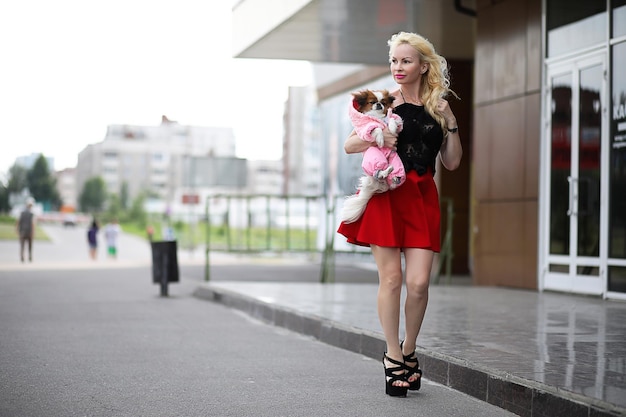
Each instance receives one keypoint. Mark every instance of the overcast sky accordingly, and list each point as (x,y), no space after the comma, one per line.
(70,68)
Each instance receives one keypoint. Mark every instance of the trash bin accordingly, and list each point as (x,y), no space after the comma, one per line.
(164,264)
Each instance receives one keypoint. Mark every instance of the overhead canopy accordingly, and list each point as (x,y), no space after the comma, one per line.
(346,31)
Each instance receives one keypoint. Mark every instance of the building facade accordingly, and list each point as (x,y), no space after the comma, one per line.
(266,177)
(66,185)
(301,147)
(179,167)
(156,160)
(539,199)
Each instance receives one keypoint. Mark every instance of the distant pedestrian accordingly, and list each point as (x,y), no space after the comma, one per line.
(168,233)
(26,230)
(111,232)
(150,231)
(92,239)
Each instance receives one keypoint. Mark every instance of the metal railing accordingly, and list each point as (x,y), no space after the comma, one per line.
(259,223)
(446,254)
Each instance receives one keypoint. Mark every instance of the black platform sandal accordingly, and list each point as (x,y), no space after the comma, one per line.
(412,370)
(392,376)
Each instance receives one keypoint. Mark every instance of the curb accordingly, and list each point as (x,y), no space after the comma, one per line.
(517,395)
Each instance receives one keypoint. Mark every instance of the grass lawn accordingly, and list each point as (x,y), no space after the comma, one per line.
(221,238)
(8,232)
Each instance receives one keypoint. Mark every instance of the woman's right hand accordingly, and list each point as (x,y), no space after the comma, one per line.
(354,144)
(391,139)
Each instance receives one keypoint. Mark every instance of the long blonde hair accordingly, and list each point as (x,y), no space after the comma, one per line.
(435,82)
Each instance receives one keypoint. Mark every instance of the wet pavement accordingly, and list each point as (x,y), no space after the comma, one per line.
(531,353)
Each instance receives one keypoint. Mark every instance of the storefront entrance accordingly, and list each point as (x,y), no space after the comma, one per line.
(575,178)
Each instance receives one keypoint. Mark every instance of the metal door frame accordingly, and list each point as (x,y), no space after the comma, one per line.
(572,281)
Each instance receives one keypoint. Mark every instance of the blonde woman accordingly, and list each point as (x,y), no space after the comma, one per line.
(406,220)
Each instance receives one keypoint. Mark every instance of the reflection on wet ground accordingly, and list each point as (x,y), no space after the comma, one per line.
(569,342)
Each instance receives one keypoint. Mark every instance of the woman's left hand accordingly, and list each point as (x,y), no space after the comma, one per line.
(443,107)
(451,150)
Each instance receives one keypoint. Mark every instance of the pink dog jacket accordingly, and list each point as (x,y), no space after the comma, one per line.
(375,158)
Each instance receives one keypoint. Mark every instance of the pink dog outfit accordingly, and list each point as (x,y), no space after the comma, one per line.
(374,158)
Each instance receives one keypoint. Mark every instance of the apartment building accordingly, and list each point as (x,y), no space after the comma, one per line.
(302,147)
(66,185)
(152,159)
(179,166)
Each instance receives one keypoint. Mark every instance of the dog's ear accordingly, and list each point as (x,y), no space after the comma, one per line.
(360,98)
(387,96)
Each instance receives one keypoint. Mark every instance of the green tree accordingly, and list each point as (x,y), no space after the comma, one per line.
(42,185)
(114,207)
(4,198)
(137,212)
(18,179)
(124,195)
(93,195)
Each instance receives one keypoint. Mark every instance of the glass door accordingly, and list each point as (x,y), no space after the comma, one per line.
(575,132)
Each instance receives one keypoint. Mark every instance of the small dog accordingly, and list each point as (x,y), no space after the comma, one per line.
(370,112)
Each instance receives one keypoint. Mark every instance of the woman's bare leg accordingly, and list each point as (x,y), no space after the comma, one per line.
(418,266)
(389,266)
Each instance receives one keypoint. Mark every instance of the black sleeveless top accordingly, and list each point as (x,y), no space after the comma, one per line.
(420,139)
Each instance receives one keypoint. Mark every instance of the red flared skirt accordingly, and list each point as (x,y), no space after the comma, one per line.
(407,217)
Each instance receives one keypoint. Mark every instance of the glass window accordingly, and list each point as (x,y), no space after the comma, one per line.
(617,279)
(619,18)
(590,123)
(561,150)
(564,12)
(617,165)
(575,25)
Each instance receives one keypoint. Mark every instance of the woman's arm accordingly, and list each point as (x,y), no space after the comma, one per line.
(354,144)
(451,150)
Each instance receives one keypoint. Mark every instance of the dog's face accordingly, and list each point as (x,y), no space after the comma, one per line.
(373,102)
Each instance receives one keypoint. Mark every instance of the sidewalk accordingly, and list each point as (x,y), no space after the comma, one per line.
(534,354)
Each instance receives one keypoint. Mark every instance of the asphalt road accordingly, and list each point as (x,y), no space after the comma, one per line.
(100,341)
